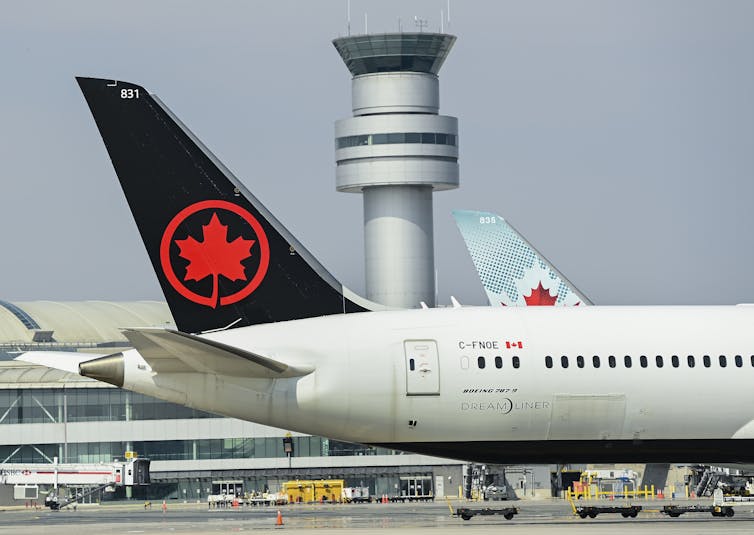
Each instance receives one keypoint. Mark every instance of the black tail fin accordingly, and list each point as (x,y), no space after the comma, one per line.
(222,259)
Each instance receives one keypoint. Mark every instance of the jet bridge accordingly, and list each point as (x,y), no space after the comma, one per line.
(27,478)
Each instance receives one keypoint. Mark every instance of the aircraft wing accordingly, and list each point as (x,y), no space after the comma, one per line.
(512,271)
(169,351)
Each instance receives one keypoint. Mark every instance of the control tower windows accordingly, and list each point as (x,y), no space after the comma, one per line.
(394,138)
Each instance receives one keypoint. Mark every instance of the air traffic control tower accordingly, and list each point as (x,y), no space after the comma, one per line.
(396,150)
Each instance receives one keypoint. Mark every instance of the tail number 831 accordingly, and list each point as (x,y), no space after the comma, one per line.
(129,93)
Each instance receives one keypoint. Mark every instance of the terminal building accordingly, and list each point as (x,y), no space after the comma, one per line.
(47,414)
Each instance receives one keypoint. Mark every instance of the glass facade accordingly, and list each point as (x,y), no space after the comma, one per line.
(57,405)
(186,450)
(429,138)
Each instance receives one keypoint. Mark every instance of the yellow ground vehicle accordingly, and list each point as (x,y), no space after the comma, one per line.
(308,491)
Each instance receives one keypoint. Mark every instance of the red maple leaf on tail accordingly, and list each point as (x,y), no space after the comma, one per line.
(215,255)
(540,297)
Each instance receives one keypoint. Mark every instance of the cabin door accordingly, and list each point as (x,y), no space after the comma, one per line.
(422,368)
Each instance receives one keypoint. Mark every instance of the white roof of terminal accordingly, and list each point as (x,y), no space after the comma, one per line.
(88,322)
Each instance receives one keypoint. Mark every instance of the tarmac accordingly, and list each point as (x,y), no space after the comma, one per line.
(534,517)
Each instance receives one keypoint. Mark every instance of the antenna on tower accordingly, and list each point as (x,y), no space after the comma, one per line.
(366,24)
(448,15)
(442,21)
(348,16)
(420,23)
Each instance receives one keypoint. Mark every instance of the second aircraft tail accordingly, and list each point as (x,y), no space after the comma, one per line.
(512,272)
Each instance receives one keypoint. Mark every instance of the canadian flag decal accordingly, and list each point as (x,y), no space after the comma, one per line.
(511,345)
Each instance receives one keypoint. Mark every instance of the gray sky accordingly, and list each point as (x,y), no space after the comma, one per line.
(618,137)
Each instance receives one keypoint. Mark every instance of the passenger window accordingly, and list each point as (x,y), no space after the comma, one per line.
(739,361)
(659,361)
(465,363)
(691,361)
(564,361)
(548,361)
(723,361)
(411,365)
(480,362)
(611,361)
(596,361)
(627,361)
(516,362)
(580,361)
(674,361)
(643,361)
(752,360)
(498,362)
(706,360)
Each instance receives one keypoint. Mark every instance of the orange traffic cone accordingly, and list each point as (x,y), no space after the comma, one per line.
(164,506)
(279,521)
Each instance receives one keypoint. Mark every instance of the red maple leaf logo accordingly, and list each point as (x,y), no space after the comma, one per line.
(215,255)
(540,297)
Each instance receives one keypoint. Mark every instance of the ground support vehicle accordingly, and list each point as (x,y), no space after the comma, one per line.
(356,495)
(592,511)
(467,512)
(674,511)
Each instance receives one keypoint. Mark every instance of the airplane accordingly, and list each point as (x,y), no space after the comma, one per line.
(265,334)
(512,271)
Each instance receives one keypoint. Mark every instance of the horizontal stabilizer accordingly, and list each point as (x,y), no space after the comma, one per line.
(169,351)
(58,360)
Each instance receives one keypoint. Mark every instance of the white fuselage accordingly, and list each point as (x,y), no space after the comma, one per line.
(415,377)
